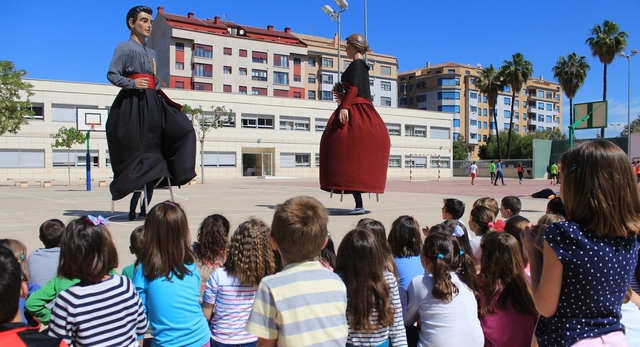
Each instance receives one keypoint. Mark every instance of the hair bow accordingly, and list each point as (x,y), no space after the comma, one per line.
(457,231)
(490,225)
(98,220)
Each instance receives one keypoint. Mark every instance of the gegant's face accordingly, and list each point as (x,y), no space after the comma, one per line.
(142,26)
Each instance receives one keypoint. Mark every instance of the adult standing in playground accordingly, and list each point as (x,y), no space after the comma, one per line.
(354,149)
(149,137)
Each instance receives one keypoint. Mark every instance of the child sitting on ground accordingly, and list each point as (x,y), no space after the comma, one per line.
(405,242)
(19,250)
(510,206)
(43,262)
(232,288)
(481,223)
(135,242)
(102,307)
(210,247)
(492,205)
(315,315)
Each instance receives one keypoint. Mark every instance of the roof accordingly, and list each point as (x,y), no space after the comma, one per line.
(441,65)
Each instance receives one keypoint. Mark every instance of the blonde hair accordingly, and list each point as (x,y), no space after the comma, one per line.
(489,203)
(19,250)
(250,256)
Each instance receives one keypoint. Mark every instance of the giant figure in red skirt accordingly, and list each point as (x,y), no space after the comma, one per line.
(354,149)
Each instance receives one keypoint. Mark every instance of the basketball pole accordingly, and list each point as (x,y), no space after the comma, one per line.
(88,159)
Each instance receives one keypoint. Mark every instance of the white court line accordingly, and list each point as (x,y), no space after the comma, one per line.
(46,199)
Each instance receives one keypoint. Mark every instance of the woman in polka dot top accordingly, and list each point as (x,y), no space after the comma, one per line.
(581,273)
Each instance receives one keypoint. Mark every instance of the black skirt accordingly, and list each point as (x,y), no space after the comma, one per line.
(148,140)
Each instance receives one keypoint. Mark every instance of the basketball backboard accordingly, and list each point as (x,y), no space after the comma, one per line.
(86,117)
(598,111)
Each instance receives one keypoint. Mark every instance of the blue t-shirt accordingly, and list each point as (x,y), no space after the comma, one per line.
(408,268)
(595,277)
(499,167)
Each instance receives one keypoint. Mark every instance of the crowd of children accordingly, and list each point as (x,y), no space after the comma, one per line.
(494,279)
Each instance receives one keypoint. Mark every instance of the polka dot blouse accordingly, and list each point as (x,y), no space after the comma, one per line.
(596,274)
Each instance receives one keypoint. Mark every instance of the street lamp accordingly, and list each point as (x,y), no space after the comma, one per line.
(615,128)
(628,56)
(335,15)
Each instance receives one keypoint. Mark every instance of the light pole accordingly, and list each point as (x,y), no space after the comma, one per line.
(335,15)
(628,56)
(615,128)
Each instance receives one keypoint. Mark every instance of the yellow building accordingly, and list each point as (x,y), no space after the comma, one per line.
(450,87)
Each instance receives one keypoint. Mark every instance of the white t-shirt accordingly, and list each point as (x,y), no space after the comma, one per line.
(473,168)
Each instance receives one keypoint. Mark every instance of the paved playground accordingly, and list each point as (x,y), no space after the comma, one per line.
(24,209)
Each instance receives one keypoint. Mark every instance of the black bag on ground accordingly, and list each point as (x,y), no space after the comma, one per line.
(543,194)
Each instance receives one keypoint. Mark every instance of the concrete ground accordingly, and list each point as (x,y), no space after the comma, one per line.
(24,209)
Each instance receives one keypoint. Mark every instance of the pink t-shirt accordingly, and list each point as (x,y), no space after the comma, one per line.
(507,328)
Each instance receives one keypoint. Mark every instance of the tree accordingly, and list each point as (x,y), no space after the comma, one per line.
(460,151)
(490,84)
(522,144)
(14,112)
(204,123)
(606,42)
(635,127)
(515,74)
(571,73)
(67,137)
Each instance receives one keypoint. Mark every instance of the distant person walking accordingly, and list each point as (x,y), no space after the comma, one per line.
(520,172)
(473,170)
(499,174)
(492,171)
(554,173)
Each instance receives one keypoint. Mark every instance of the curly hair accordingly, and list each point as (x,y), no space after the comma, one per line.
(250,256)
(213,238)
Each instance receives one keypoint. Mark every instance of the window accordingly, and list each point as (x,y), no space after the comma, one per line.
(312,61)
(24,158)
(484,138)
(507,89)
(473,122)
(415,130)
(439,133)
(411,100)
(280,77)
(395,161)
(311,95)
(540,93)
(474,109)
(250,120)
(506,126)
(484,125)
(448,81)
(226,88)
(492,125)
(385,101)
(517,115)
(410,87)
(385,70)
(327,79)
(540,118)
(179,85)
(517,127)
(242,53)
(219,159)
(321,123)
(549,119)
(422,98)
(327,95)
(456,123)
(294,123)
(179,65)
(179,46)
(484,98)
(292,160)
(440,162)
(449,108)
(327,62)
(507,114)
(558,96)
(403,101)
(280,60)
(549,95)
(524,104)
(540,105)
(403,88)
(371,82)
(524,92)
(311,78)
(421,85)
(484,112)
(203,51)
(393,129)
(415,161)
(456,136)
(516,103)
(227,51)
(549,107)
(507,101)
(556,120)
(203,86)
(242,89)
(63,113)
(451,70)
(242,71)
(296,61)
(259,75)
(281,93)
(203,70)
(385,86)
(473,95)
(297,78)
(226,70)
(448,95)
(259,57)
(258,91)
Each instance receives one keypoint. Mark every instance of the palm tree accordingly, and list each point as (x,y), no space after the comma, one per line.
(515,74)
(605,43)
(490,84)
(571,73)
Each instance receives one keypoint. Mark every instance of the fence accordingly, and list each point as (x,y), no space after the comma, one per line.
(509,168)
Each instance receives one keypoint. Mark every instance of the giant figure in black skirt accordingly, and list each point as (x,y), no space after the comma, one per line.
(149,137)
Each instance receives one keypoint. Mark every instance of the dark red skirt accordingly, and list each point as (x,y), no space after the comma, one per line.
(355,157)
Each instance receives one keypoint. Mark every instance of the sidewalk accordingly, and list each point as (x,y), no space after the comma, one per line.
(238,199)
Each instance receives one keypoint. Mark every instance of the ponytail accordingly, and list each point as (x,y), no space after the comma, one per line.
(438,248)
(466,270)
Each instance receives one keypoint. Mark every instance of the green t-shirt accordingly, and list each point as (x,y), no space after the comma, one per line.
(492,167)
(554,169)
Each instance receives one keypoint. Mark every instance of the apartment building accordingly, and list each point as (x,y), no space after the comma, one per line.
(222,56)
(265,137)
(450,87)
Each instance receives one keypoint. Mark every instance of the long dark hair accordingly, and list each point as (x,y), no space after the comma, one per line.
(502,274)
(438,249)
(404,237)
(361,264)
(212,239)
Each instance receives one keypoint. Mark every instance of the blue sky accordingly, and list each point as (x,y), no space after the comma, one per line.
(74,40)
